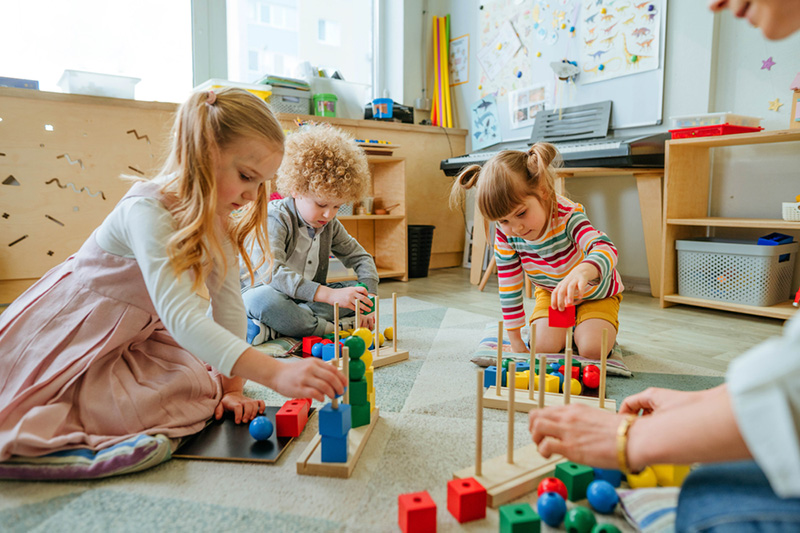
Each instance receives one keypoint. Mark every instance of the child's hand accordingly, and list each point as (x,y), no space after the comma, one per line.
(367,321)
(309,378)
(347,295)
(244,409)
(572,288)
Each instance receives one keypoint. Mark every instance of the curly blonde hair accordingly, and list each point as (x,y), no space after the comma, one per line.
(323,161)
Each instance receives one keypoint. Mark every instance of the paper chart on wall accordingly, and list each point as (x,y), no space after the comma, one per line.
(494,56)
(459,60)
(618,39)
(523,105)
(485,124)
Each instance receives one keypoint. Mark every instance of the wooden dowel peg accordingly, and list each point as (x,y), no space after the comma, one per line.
(603,356)
(499,368)
(512,368)
(479,426)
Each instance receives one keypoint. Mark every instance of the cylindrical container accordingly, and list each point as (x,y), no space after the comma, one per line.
(420,239)
(382,108)
(325,105)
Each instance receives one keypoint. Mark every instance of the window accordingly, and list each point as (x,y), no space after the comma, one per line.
(280,30)
(329,32)
(146,39)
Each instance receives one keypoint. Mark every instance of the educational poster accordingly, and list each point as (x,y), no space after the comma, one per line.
(523,105)
(618,38)
(484,126)
(504,46)
(459,60)
(545,28)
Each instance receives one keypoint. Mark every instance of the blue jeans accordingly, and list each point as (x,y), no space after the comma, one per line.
(734,497)
(287,316)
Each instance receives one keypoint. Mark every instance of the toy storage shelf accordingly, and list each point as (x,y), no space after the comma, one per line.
(686,199)
(383,236)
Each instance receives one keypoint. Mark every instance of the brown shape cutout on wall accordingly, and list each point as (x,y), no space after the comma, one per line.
(18,240)
(70,160)
(11,180)
(48,217)
(72,186)
(136,170)
(138,137)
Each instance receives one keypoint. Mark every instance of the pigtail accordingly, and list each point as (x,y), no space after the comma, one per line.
(542,161)
(467,179)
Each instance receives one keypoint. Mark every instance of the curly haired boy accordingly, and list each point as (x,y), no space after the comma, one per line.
(322,169)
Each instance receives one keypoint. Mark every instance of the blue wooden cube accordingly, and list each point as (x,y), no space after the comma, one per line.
(523,366)
(612,476)
(335,422)
(334,449)
(328,352)
(490,377)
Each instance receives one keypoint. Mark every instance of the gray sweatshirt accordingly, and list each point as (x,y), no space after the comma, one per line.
(283,225)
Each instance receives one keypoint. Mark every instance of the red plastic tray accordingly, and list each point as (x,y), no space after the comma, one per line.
(709,131)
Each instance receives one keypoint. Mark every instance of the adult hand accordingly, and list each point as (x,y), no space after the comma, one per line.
(582,434)
(309,378)
(244,409)
(655,399)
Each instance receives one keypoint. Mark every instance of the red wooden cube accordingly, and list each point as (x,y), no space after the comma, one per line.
(561,319)
(416,512)
(291,418)
(309,342)
(466,499)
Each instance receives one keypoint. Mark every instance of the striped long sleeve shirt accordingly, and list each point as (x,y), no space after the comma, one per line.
(569,240)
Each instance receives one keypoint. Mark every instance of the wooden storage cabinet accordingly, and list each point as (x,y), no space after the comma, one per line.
(686,215)
(383,236)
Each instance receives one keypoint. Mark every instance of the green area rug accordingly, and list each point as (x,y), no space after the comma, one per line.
(426,432)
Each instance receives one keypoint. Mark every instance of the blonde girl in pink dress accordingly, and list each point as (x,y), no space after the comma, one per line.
(116,342)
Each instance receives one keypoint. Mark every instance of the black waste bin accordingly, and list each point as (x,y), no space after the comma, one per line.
(420,238)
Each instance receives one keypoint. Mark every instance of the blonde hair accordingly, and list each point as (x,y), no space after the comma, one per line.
(508,179)
(323,161)
(204,125)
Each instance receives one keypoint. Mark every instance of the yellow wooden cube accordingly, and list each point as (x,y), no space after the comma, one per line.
(371,401)
(521,379)
(551,383)
(367,358)
(671,475)
(369,375)
(644,479)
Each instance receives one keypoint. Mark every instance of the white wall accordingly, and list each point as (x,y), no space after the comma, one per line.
(712,63)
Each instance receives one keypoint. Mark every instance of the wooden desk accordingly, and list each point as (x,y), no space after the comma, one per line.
(649,182)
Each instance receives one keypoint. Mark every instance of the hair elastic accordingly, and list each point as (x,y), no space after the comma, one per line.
(211,98)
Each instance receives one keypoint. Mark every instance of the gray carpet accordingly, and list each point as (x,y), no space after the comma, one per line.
(426,432)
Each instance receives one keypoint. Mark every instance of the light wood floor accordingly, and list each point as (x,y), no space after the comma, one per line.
(701,337)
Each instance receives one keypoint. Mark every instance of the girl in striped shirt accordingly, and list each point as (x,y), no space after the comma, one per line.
(547,237)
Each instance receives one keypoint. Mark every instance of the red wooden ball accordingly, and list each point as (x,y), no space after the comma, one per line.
(552,484)
(326,341)
(591,380)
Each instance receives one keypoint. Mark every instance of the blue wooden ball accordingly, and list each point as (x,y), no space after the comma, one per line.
(602,496)
(551,508)
(316,350)
(261,428)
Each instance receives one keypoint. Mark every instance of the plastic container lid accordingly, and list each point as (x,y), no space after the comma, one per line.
(325,97)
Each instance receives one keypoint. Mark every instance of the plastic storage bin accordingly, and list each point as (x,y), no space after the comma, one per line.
(735,271)
(94,83)
(285,100)
(262,91)
(325,105)
(710,131)
(714,119)
(382,108)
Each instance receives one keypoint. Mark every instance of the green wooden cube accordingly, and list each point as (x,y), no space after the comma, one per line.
(519,518)
(361,415)
(358,392)
(576,477)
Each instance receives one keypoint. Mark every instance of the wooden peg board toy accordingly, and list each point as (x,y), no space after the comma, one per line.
(509,476)
(497,397)
(382,356)
(225,440)
(310,462)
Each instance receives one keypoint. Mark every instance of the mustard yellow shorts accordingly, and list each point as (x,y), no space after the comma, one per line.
(606,309)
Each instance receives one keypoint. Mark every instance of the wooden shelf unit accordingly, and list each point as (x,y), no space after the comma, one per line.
(383,236)
(687,189)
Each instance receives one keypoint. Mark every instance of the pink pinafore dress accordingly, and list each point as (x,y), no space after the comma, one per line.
(85,362)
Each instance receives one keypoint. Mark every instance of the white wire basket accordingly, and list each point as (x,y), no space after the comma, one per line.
(735,271)
(791,211)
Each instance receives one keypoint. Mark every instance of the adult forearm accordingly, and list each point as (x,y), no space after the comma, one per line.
(705,432)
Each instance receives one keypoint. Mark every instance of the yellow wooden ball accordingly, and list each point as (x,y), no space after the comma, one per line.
(367,358)
(365,334)
(575,387)
(381,339)
(644,479)
(389,333)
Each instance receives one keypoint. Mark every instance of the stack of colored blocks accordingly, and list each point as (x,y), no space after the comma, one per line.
(359,385)
(292,417)
(334,425)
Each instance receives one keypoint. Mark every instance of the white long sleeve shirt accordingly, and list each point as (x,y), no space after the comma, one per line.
(139,228)
(764,385)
